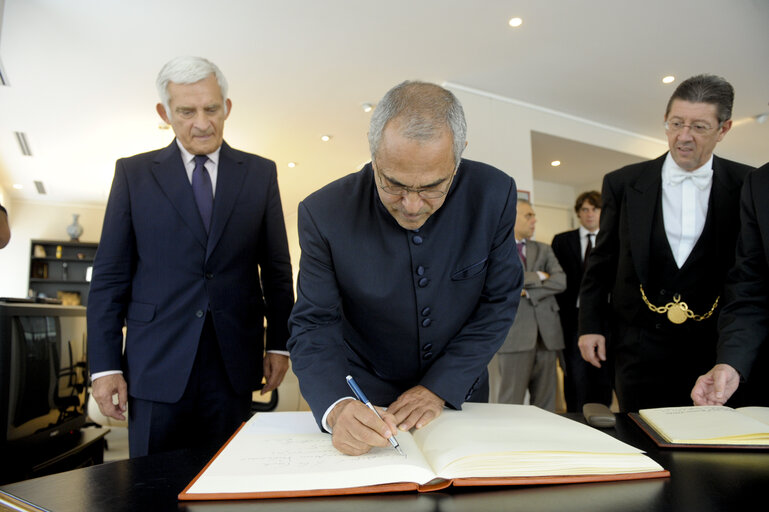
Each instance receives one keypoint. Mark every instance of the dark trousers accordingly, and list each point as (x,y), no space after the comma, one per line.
(657,363)
(583,383)
(207,414)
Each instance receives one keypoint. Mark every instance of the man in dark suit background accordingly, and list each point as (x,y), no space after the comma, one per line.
(5,230)
(744,321)
(582,382)
(667,240)
(528,359)
(193,256)
(408,278)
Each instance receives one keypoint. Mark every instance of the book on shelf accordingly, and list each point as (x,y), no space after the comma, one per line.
(706,426)
(283,454)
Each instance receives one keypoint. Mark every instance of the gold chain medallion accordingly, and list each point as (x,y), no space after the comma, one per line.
(677,312)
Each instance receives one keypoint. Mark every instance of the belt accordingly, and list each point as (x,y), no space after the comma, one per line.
(678,312)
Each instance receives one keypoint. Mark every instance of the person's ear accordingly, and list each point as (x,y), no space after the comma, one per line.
(724,128)
(162,113)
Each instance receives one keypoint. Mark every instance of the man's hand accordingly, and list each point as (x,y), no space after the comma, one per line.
(103,389)
(356,428)
(416,407)
(593,348)
(716,386)
(275,368)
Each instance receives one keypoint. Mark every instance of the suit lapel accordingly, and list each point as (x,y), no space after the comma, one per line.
(575,248)
(229,183)
(722,215)
(642,196)
(531,256)
(168,170)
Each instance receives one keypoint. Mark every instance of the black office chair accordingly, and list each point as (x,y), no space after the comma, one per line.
(265,406)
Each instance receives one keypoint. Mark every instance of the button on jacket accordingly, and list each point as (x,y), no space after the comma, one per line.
(396,307)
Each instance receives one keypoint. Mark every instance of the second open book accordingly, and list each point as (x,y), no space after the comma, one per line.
(284,454)
(707,426)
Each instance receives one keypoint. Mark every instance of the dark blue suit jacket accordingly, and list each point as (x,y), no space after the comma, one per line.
(397,308)
(568,249)
(744,321)
(158,272)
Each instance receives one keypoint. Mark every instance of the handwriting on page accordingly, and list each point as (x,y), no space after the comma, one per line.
(308,452)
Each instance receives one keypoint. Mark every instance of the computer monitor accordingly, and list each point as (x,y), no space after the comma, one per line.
(43,374)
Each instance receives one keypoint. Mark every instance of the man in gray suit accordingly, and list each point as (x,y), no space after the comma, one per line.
(527,359)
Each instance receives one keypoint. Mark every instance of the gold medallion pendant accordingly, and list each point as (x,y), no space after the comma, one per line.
(677,312)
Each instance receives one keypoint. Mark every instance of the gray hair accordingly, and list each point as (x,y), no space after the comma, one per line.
(426,109)
(188,70)
(706,89)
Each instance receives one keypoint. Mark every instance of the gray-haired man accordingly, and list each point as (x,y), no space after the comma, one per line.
(193,257)
(408,279)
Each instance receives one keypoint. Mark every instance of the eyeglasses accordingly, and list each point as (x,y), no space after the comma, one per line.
(424,193)
(698,128)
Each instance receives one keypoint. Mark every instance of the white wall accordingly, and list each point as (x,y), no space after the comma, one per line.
(499,133)
(36,220)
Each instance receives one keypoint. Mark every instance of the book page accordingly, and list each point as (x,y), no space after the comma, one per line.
(520,440)
(275,452)
(757,413)
(706,425)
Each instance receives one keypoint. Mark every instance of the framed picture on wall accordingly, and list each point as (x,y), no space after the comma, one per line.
(524,194)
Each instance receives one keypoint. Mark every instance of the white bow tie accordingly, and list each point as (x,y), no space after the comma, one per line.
(701,177)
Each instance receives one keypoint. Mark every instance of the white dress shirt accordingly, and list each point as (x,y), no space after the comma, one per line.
(583,232)
(684,206)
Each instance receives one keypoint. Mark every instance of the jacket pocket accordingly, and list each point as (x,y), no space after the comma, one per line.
(471,271)
(140,312)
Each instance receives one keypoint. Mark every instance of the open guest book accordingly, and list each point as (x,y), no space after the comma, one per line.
(706,426)
(282,454)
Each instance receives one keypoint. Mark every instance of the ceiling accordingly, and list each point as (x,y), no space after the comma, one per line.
(81,76)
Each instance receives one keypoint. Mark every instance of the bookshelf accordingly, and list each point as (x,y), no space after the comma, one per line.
(60,269)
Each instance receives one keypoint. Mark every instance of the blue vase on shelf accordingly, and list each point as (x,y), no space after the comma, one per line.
(74,230)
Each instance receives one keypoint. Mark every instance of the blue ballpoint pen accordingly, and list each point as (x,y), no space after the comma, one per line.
(362,397)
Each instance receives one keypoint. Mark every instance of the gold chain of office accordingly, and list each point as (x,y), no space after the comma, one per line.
(678,312)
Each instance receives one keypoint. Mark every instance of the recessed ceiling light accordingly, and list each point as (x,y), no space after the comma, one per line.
(515,22)
(292,164)
(555,163)
(18,186)
(325,138)
(367,107)
(668,79)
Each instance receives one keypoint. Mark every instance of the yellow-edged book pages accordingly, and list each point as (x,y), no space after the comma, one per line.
(283,454)
(716,425)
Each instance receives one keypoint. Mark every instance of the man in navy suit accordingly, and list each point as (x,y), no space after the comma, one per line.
(408,278)
(744,322)
(667,240)
(193,256)
(582,382)
(5,230)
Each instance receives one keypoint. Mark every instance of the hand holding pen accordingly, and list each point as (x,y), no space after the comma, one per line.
(355,430)
(362,397)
